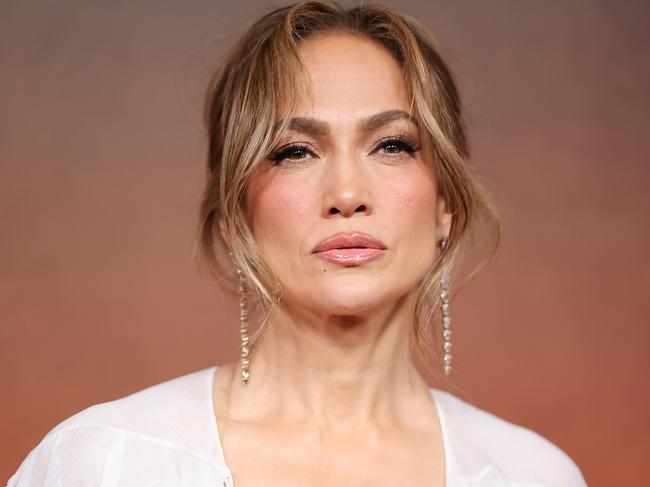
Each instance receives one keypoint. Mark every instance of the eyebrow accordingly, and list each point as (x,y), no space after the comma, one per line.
(313,126)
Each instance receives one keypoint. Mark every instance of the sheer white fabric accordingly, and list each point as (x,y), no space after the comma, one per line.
(166,435)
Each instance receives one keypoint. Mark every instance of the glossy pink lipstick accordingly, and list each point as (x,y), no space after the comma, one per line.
(349,249)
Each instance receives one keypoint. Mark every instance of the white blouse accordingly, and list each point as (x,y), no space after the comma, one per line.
(166,435)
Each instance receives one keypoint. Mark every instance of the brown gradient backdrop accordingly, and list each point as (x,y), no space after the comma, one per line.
(102,155)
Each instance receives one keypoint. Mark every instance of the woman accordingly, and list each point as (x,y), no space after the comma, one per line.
(338,188)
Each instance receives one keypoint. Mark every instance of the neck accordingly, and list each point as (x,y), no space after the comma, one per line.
(342,372)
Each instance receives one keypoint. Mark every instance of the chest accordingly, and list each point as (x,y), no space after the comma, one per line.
(414,460)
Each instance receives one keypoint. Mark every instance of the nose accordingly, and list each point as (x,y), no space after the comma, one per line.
(346,187)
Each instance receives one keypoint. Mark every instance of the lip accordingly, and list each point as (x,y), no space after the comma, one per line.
(349,248)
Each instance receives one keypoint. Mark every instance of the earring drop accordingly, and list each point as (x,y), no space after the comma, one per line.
(243,330)
(446,319)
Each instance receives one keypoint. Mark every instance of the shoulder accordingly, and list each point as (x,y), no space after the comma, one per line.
(480,440)
(155,411)
(165,422)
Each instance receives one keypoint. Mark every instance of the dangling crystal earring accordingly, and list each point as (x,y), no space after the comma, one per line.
(446,319)
(243,329)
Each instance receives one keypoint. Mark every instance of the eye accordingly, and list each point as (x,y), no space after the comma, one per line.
(294,152)
(398,145)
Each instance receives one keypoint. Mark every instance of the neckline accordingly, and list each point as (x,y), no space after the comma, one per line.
(436,396)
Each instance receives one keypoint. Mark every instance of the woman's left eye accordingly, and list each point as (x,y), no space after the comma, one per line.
(397,146)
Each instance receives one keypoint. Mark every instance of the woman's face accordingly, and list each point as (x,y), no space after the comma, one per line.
(352,162)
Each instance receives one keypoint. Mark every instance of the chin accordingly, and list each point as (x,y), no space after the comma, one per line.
(347,307)
(350,296)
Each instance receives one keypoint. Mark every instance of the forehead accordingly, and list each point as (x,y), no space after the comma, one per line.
(350,77)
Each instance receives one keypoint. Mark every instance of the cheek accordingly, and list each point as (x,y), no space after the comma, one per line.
(412,203)
(409,204)
(279,210)
(410,199)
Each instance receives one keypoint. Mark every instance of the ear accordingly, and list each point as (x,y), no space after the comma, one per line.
(443,219)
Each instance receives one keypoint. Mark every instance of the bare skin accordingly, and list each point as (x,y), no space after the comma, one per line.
(334,398)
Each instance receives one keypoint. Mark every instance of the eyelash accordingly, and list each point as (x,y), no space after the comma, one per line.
(403,142)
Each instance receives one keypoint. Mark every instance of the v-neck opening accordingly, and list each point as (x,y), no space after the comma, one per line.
(442,422)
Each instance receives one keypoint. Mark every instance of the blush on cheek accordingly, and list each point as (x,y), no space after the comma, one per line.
(282,211)
(411,194)
(284,205)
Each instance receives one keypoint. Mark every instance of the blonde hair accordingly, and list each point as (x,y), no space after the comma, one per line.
(262,76)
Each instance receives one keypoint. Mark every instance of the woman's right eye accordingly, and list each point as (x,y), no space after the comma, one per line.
(291,153)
